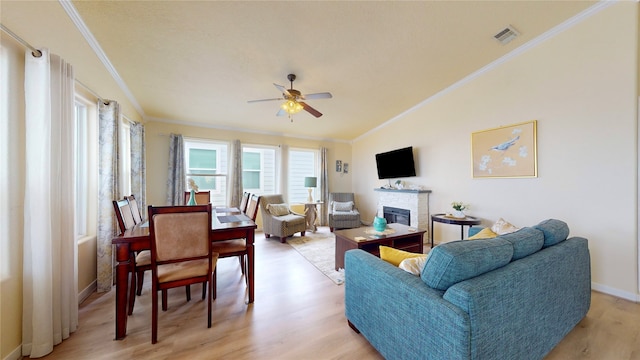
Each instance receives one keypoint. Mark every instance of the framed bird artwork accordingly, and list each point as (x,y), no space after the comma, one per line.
(505,152)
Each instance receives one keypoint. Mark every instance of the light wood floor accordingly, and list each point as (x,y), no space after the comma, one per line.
(298,313)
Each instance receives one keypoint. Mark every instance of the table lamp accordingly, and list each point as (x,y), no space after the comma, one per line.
(310,183)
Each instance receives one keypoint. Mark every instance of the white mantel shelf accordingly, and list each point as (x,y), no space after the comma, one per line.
(416,201)
(403,190)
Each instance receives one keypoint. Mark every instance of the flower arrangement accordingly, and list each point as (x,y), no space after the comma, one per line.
(192,185)
(459,205)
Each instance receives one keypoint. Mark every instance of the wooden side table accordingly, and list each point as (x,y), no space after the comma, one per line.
(311,214)
(442,218)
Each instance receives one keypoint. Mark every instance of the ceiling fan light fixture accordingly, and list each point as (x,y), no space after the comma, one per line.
(292,107)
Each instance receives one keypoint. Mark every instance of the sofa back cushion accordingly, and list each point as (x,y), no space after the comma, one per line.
(525,241)
(554,231)
(456,261)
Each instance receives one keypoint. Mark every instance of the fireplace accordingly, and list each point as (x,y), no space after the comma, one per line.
(397,215)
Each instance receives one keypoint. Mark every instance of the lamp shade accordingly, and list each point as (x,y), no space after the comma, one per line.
(310,182)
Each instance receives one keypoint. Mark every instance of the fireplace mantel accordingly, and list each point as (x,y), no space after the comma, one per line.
(416,201)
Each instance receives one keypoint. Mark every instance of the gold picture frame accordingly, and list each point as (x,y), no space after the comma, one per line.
(505,152)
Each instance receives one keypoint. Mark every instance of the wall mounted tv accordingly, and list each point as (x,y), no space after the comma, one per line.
(396,164)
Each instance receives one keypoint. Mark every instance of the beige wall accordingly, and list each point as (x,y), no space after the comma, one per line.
(581,86)
(157,147)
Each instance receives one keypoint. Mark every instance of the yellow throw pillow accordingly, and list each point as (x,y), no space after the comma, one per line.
(485,233)
(502,227)
(395,256)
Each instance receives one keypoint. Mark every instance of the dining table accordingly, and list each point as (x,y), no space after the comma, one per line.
(227,223)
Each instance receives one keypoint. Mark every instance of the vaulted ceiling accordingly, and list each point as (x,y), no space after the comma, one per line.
(199,62)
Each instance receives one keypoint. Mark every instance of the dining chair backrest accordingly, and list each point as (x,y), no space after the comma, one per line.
(252,208)
(179,233)
(202,197)
(123,214)
(135,209)
(244,202)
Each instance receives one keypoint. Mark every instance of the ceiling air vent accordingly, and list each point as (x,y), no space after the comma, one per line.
(505,35)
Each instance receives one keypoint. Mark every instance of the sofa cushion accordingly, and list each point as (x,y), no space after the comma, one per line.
(525,241)
(278,209)
(502,227)
(485,233)
(456,261)
(395,256)
(342,206)
(554,231)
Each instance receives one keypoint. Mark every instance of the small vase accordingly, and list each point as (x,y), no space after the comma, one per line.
(379,224)
(192,198)
(458,214)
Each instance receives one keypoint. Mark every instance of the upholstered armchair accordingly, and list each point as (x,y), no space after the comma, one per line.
(277,218)
(343,213)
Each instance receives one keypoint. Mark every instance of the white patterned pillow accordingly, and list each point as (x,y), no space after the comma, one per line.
(278,209)
(502,227)
(342,206)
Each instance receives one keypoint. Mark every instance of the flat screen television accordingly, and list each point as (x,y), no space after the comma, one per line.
(396,163)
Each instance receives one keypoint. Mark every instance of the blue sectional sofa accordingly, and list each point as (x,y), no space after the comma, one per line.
(515,296)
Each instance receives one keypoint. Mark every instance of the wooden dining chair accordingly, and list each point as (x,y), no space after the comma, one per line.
(180,253)
(123,215)
(235,247)
(135,209)
(244,202)
(202,197)
(252,207)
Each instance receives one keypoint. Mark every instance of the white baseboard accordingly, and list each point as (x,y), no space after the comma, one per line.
(615,292)
(16,354)
(84,294)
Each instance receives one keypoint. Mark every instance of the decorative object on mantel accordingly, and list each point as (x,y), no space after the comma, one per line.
(194,188)
(399,185)
(458,207)
(379,224)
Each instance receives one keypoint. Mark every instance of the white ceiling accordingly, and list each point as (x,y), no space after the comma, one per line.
(198,62)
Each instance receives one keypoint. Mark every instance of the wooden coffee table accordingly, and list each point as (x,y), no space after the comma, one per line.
(404,238)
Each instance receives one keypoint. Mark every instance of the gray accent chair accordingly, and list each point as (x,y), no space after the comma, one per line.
(343,218)
(284,225)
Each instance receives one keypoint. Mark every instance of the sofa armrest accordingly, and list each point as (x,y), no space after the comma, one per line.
(399,314)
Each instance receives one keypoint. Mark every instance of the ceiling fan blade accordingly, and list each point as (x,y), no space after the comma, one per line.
(310,110)
(282,89)
(322,95)
(281,112)
(261,100)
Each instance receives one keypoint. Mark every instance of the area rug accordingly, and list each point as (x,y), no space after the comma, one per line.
(319,249)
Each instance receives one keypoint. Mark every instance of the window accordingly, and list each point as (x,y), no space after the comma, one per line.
(302,163)
(259,169)
(86,149)
(206,164)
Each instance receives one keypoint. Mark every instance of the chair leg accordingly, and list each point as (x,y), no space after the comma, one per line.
(164,300)
(301,233)
(132,292)
(140,280)
(187,289)
(154,314)
(241,259)
(204,290)
(214,290)
(331,229)
(210,299)
(267,235)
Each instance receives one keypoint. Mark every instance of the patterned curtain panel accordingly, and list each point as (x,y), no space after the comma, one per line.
(324,186)
(49,277)
(138,167)
(235,191)
(108,150)
(176,182)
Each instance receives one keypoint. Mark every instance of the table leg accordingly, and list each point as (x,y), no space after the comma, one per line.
(431,233)
(251,261)
(461,232)
(123,257)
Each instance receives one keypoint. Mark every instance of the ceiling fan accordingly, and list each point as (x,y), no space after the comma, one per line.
(293,103)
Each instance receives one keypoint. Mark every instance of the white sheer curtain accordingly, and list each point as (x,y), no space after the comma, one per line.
(50,279)
(176,181)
